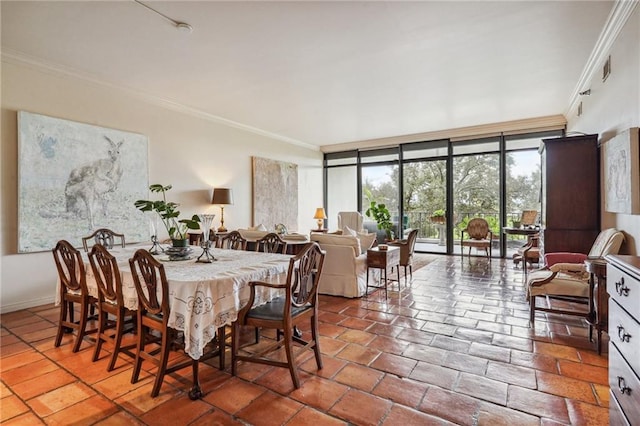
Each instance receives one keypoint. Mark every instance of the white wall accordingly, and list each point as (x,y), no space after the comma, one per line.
(614,106)
(192,154)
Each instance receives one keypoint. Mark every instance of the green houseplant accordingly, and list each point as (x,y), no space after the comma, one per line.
(438,216)
(380,213)
(169,213)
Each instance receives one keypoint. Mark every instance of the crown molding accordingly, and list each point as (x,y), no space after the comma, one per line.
(537,124)
(18,58)
(620,13)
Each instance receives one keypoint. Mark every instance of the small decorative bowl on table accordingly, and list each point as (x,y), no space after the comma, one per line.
(178,253)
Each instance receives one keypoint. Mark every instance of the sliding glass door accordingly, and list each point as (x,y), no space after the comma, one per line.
(522,187)
(476,187)
(424,194)
(379,183)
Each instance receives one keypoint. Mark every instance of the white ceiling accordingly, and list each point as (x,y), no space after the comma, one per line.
(323,73)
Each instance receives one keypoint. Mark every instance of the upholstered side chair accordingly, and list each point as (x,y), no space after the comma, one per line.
(479,236)
(564,277)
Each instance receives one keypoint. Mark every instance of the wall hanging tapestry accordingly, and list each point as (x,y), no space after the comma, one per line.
(74,178)
(622,173)
(275,193)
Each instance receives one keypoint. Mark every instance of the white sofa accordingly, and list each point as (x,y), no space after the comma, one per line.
(344,272)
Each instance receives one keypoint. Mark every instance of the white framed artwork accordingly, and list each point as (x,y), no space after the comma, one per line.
(74,178)
(622,173)
(275,193)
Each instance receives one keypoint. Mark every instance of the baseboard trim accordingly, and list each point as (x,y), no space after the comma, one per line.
(11,307)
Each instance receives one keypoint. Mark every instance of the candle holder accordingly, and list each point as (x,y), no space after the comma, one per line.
(206,220)
(156,248)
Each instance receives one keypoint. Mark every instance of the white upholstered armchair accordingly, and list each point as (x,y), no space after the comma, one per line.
(352,220)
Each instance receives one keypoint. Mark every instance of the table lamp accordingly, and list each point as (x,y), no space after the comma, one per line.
(222,197)
(320,216)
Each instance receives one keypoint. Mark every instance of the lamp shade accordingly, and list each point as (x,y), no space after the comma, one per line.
(222,196)
(320,214)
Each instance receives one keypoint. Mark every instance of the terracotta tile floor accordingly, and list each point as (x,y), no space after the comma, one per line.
(453,348)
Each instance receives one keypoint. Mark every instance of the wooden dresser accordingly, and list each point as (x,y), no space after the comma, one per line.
(623,286)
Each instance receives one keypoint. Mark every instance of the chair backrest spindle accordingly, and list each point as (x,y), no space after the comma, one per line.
(271,243)
(103,236)
(149,278)
(107,274)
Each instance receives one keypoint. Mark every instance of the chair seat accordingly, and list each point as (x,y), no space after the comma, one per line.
(476,243)
(283,313)
(563,284)
(274,310)
(74,292)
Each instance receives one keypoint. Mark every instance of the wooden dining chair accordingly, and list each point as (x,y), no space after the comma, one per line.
(195,238)
(73,290)
(103,236)
(407,247)
(110,302)
(153,314)
(271,243)
(234,241)
(299,302)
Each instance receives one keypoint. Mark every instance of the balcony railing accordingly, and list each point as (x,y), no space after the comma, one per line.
(428,229)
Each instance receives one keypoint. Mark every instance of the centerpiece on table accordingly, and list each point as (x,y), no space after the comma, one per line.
(169,213)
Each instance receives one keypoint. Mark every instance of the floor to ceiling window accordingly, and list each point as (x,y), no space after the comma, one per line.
(424,193)
(438,186)
(476,186)
(379,181)
(522,184)
(341,174)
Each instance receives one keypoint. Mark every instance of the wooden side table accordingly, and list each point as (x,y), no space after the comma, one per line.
(598,298)
(383,259)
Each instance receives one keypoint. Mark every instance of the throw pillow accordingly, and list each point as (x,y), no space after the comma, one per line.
(348,231)
(260,227)
(366,241)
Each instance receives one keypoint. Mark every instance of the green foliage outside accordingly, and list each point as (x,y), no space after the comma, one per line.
(475,186)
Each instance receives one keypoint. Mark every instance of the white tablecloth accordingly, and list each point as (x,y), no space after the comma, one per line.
(203,296)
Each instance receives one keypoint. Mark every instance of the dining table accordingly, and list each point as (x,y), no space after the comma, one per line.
(202,296)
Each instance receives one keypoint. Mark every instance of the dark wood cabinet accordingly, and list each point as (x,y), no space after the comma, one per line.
(570,199)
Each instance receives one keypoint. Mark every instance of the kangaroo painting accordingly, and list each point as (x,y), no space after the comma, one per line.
(74,178)
(88,186)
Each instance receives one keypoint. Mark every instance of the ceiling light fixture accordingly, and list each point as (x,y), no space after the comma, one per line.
(181,26)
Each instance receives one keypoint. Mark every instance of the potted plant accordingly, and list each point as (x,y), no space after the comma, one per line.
(380,213)
(438,216)
(169,213)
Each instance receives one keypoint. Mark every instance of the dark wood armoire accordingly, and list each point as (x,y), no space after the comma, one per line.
(570,199)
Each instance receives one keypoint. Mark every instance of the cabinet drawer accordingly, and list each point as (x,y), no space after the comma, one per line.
(624,289)
(624,333)
(624,384)
(616,416)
